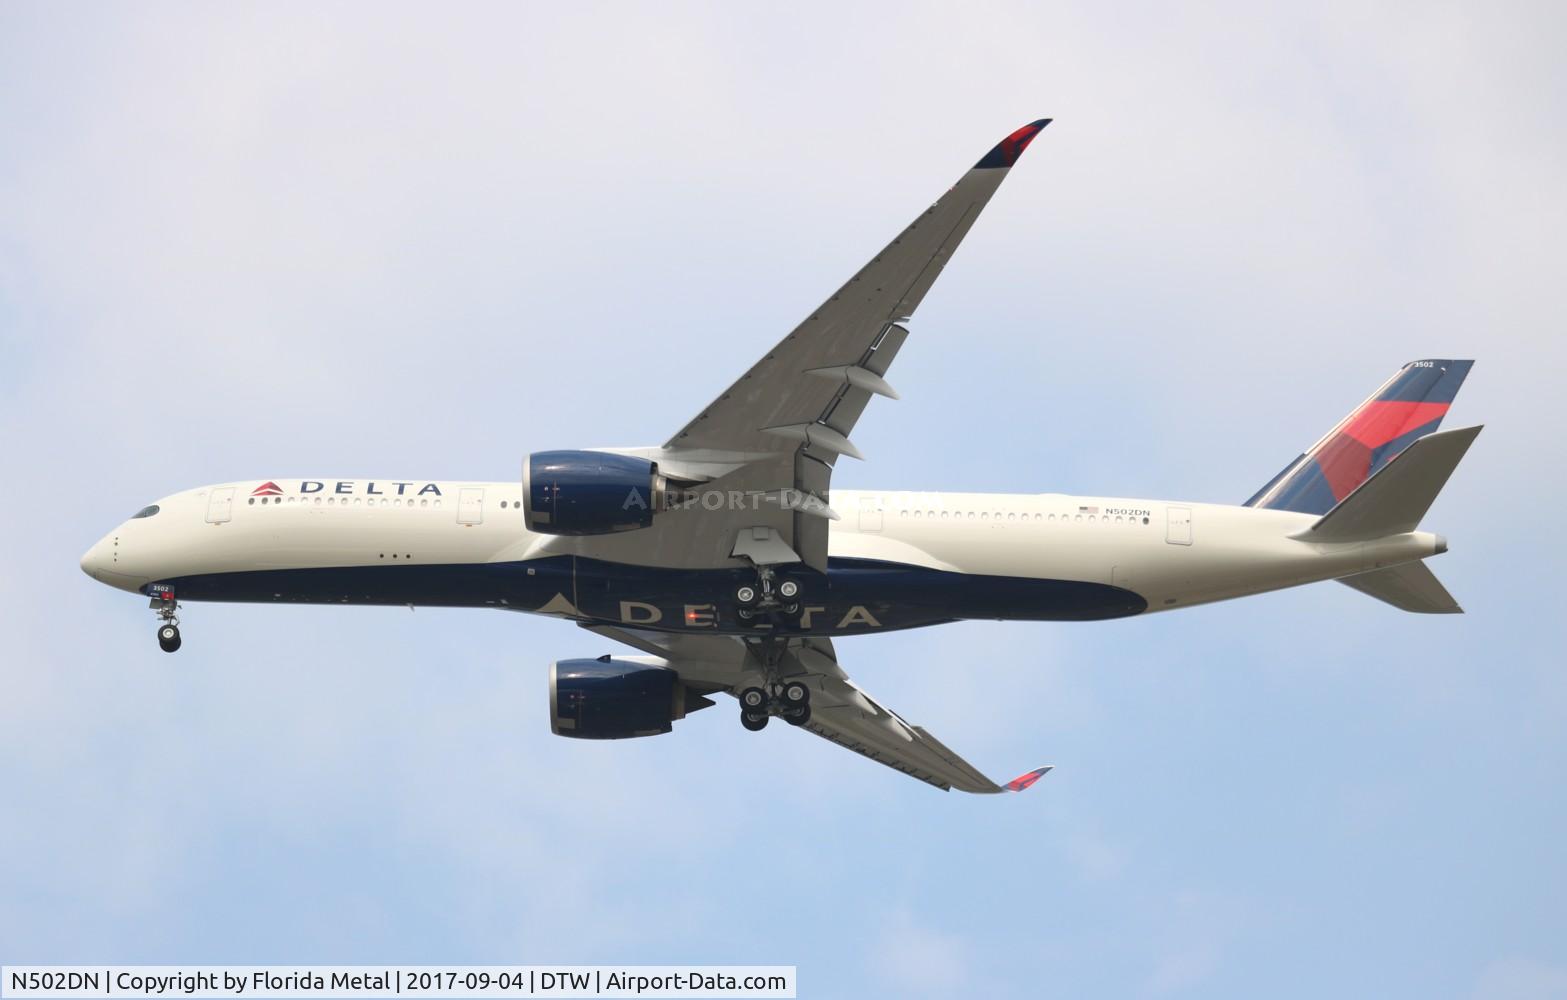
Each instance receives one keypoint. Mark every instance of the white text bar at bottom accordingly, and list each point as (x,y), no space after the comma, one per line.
(365,981)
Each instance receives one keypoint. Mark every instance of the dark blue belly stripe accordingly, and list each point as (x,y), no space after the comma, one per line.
(855,596)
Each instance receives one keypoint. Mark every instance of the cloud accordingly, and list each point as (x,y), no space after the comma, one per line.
(1517,978)
(1192,945)
(912,957)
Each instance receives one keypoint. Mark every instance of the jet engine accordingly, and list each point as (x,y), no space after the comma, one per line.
(610,699)
(589,492)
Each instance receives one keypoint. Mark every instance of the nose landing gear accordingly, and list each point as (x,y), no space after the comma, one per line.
(771,595)
(168,613)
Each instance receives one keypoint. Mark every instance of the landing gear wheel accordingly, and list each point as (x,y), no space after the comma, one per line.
(753,700)
(746,614)
(792,608)
(745,595)
(798,716)
(796,694)
(754,721)
(789,590)
(168,638)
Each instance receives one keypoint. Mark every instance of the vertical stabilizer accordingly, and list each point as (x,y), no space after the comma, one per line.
(1409,406)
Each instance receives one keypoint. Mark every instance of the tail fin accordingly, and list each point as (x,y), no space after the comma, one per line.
(1409,406)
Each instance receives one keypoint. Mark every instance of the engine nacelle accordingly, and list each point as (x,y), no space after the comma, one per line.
(610,699)
(589,492)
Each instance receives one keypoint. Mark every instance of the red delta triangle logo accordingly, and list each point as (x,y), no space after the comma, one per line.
(267,489)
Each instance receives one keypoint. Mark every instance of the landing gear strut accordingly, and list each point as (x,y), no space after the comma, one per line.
(770,594)
(789,699)
(168,613)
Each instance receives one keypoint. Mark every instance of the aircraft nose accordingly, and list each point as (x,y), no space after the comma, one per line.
(106,562)
(94,560)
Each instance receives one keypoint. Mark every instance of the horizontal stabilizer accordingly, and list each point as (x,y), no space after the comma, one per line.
(1394,500)
(1408,587)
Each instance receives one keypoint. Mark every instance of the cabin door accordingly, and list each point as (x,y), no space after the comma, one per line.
(870,513)
(470,506)
(220,505)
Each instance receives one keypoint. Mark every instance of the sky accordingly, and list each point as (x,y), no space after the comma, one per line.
(393,241)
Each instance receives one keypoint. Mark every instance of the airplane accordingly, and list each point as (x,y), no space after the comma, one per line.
(726,563)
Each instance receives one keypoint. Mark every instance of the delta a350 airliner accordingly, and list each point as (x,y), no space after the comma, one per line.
(722,559)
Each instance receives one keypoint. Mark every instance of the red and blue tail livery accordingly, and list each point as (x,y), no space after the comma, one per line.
(1409,406)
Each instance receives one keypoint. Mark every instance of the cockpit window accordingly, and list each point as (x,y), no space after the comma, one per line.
(147,511)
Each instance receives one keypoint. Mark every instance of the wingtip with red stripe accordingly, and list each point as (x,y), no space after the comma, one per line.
(1007,151)
(1025,781)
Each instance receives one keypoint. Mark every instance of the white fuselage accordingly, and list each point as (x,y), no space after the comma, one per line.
(436,541)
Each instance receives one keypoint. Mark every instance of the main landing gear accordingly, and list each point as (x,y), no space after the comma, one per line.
(769,602)
(168,613)
(789,699)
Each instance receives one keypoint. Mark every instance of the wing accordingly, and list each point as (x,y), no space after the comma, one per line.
(840,711)
(790,416)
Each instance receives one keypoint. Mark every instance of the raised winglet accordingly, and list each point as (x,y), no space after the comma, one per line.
(1025,781)
(1009,149)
